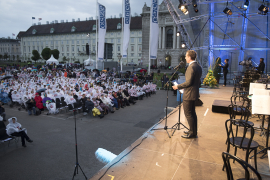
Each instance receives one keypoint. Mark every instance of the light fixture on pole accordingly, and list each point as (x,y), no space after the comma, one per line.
(227,11)
(183,7)
(183,45)
(263,9)
(178,34)
(194,3)
(119,58)
(246,4)
(89,35)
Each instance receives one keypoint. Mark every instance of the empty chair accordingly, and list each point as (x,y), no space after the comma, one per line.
(226,159)
(57,100)
(243,141)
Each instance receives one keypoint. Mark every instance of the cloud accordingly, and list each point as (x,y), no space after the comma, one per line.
(16,15)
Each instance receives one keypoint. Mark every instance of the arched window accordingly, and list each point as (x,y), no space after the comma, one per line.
(52,30)
(169,43)
(73,29)
(119,26)
(94,27)
(34,31)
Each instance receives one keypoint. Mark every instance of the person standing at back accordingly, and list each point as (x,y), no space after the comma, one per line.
(225,70)
(191,92)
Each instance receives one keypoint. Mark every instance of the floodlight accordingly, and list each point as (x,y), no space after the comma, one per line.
(183,45)
(195,6)
(246,4)
(227,11)
(263,9)
(178,34)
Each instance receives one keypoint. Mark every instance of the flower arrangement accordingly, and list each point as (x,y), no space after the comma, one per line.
(210,80)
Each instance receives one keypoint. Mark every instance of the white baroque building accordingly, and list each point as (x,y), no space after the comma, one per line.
(11,48)
(70,38)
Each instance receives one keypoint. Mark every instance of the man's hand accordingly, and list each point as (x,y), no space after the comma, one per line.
(175,87)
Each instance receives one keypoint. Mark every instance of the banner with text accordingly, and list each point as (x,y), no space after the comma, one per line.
(126,28)
(101,30)
(154,30)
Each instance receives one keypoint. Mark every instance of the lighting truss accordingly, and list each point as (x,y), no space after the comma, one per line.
(176,17)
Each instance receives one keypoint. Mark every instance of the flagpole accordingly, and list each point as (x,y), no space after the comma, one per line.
(122,36)
(150,35)
(96,34)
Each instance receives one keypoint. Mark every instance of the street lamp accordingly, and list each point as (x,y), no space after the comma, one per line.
(119,58)
(89,35)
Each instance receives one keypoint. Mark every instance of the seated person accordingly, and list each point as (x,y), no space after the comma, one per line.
(89,105)
(31,105)
(15,129)
(38,101)
(4,97)
(2,112)
(45,99)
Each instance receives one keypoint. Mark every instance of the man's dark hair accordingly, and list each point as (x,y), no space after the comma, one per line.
(192,54)
(262,59)
(226,60)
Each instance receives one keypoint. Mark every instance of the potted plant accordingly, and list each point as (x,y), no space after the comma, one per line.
(217,69)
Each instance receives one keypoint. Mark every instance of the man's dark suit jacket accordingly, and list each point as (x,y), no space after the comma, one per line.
(192,84)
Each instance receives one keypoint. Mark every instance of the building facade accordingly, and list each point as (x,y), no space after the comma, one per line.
(70,38)
(10,49)
(170,51)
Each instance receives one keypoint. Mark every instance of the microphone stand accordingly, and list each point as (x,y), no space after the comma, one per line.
(77,165)
(166,120)
(177,125)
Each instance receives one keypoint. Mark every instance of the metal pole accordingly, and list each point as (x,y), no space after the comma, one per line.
(122,36)
(149,37)
(96,34)
(211,37)
(266,52)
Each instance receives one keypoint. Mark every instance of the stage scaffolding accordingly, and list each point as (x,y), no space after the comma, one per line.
(213,34)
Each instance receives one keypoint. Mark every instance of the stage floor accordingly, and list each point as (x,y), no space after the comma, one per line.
(155,156)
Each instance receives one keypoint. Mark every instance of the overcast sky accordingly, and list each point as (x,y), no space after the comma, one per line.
(16,15)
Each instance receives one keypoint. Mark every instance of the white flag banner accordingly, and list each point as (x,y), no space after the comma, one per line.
(101,30)
(126,28)
(154,30)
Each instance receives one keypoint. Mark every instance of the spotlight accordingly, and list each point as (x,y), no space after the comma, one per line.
(183,45)
(178,34)
(263,9)
(246,4)
(183,8)
(195,6)
(227,11)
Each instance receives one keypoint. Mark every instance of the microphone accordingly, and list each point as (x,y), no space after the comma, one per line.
(179,65)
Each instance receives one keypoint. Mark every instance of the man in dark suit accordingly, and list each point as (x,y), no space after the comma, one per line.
(191,93)
(261,66)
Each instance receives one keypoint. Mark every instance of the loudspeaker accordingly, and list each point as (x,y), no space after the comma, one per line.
(198,103)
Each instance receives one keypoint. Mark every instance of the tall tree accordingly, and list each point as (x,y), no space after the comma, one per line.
(46,53)
(55,53)
(13,57)
(36,55)
(64,58)
(1,56)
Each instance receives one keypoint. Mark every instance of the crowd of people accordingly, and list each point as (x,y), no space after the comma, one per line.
(97,93)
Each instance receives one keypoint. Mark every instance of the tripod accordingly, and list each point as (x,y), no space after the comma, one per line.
(77,161)
(178,124)
(166,120)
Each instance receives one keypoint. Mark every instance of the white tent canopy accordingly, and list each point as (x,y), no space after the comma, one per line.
(89,62)
(52,60)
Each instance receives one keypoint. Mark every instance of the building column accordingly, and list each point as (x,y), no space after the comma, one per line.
(178,41)
(174,36)
(159,39)
(163,38)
